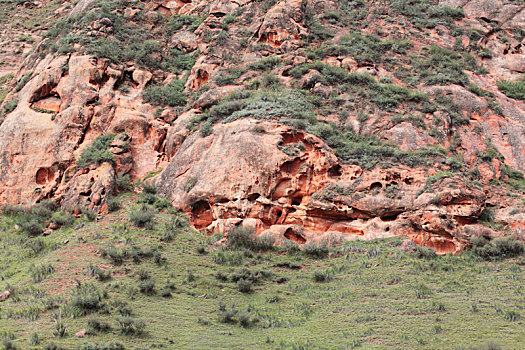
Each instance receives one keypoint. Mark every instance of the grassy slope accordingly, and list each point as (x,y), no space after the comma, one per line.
(371,301)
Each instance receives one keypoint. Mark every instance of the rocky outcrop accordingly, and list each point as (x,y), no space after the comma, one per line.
(39,147)
(288,183)
(258,172)
(283,22)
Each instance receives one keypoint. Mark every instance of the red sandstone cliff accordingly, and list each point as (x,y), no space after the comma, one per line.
(261,170)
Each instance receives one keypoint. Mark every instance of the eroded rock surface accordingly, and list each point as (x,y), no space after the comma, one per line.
(259,172)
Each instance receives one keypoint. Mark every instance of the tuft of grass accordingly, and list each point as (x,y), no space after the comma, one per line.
(143,217)
(513,89)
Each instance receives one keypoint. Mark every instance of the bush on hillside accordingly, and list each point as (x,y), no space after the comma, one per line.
(169,95)
(98,152)
(497,249)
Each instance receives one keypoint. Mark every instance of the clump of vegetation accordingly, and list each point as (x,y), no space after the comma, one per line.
(131,326)
(233,316)
(142,217)
(100,274)
(316,250)
(86,298)
(262,104)
(177,22)
(364,48)
(32,219)
(498,248)
(124,183)
(422,291)
(168,95)
(424,15)
(98,152)
(323,276)
(10,106)
(113,204)
(175,225)
(513,89)
(245,238)
(97,326)
(445,67)
(103,346)
(116,255)
(40,272)
(34,339)
(61,219)
(60,327)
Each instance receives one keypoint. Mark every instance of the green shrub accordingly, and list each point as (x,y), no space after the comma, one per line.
(224,257)
(241,237)
(89,214)
(228,77)
(227,316)
(444,67)
(130,326)
(101,275)
(512,316)
(173,227)
(498,248)
(207,128)
(52,346)
(244,286)
(116,255)
(142,217)
(424,15)
(138,253)
(98,152)
(124,183)
(96,326)
(424,253)
(85,299)
(316,250)
(323,276)
(177,22)
(422,291)
(365,49)
(169,95)
(190,183)
(113,204)
(8,344)
(36,245)
(265,64)
(10,106)
(102,346)
(61,219)
(31,225)
(148,187)
(60,327)
(40,272)
(25,79)
(147,286)
(14,209)
(513,89)
(34,339)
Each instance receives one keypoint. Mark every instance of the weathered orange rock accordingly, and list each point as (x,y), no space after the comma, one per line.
(282,22)
(5,295)
(81,333)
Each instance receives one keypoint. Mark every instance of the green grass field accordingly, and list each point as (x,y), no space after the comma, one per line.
(364,294)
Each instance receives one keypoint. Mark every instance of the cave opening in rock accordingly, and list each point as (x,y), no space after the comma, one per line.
(294,237)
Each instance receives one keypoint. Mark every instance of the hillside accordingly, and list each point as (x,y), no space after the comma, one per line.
(342,142)
(111,285)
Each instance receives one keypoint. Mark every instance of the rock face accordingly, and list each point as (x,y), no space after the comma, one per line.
(39,148)
(260,172)
(288,183)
